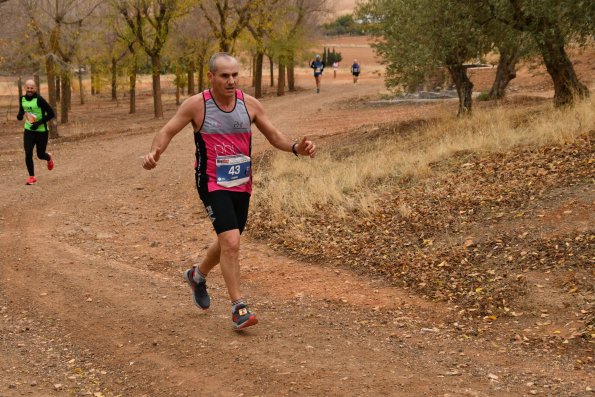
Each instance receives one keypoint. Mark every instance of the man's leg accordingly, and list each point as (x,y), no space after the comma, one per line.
(229,243)
(42,144)
(211,258)
(230,267)
(29,145)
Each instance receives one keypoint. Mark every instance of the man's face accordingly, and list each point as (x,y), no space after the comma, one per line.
(225,79)
(30,89)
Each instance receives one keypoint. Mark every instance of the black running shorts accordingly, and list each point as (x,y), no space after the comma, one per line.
(226,210)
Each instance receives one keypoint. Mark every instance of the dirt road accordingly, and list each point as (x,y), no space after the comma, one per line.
(92,299)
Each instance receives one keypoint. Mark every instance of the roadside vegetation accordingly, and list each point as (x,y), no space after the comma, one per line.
(468,211)
(344,173)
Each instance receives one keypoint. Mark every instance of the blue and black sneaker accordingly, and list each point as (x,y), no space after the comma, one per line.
(242,318)
(199,290)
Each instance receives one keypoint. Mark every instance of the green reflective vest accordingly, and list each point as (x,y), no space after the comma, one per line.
(32,113)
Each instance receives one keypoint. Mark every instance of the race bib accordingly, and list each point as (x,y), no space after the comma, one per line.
(318,70)
(30,117)
(233,170)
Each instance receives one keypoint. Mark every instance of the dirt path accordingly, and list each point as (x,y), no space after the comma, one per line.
(92,299)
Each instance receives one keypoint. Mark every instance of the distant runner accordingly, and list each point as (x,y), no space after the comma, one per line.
(355,70)
(221,119)
(36,112)
(335,67)
(318,67)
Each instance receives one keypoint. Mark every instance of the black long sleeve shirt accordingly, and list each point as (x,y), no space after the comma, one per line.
(47,111)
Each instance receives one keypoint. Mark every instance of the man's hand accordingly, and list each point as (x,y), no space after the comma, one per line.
(34,125)
(306,148)
(150,160)
(19,117)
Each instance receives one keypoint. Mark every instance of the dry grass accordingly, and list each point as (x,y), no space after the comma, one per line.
(346,183)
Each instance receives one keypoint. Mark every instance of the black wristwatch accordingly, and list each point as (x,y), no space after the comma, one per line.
(293,149)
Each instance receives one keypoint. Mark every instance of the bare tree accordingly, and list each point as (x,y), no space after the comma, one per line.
(192,44)
(261,27)
(149,21)
(229,20)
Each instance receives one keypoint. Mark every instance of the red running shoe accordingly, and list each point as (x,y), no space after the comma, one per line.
(242,318)
(32,180)
(50,162)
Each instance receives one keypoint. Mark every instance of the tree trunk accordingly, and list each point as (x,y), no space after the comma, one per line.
(20,87)
(38,82)
(550,41)
(65,82)
(272,73)
(291,73)
(178,80)
(458,72)
(201,76)
(258,75)
(92,80)
(133,89)
(156,75)
(567,86)
(281,78)
(505,72)
(51,75)
(58,89)
(81,90)
(114,79)
(191,88)
(224,45)
(68,93)
(253,70)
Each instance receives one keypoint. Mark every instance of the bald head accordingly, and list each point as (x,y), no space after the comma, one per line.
(30,88)
(220,56)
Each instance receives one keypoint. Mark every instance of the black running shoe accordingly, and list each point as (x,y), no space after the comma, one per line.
(242,318)
(199,290)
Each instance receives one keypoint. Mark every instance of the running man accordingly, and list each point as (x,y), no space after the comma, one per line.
(36,112)
(335,67)
(221,119)
(355,70)
(318,67)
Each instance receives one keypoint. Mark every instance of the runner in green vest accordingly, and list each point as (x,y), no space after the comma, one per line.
(36,112)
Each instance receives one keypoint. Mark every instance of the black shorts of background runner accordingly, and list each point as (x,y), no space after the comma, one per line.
(35,139)
(227,210)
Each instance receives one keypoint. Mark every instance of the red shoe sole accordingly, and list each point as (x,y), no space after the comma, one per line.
(251,321)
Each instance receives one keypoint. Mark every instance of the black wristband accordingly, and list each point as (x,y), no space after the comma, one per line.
(293,149)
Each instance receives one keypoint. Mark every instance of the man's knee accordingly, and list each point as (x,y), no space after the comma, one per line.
(229,242)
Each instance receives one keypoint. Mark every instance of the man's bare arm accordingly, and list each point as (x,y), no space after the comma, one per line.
(189,112)
(279,140)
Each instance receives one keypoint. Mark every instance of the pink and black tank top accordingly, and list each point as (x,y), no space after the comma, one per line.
(223,147)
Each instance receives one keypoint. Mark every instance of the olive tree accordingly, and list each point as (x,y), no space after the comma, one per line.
(416,37)
(552,24)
